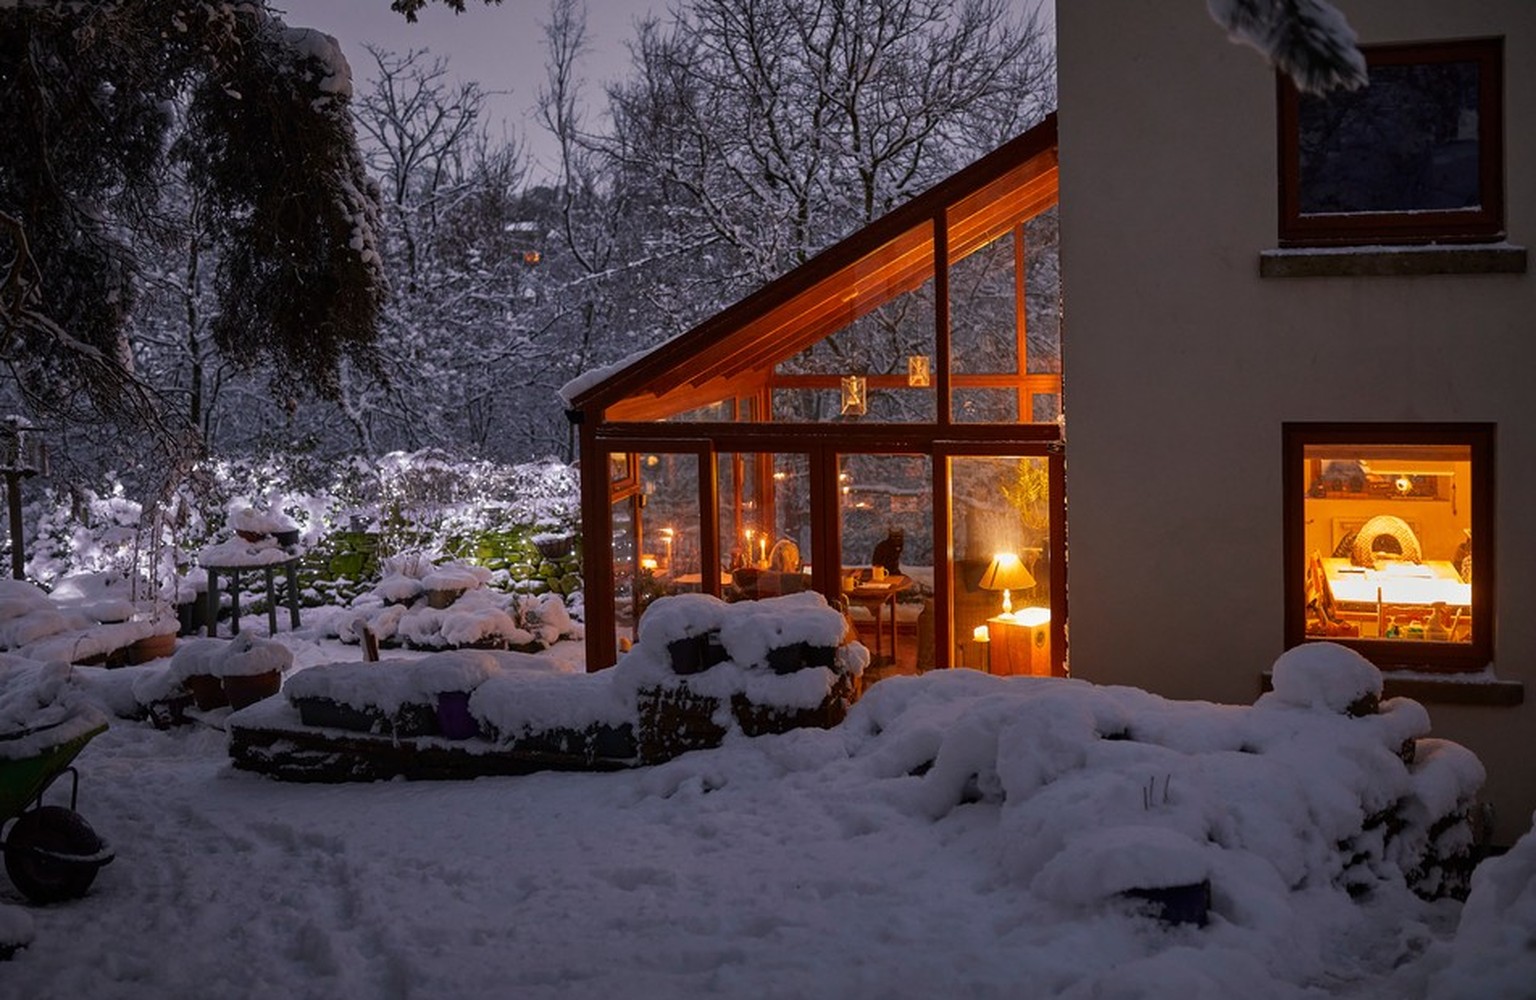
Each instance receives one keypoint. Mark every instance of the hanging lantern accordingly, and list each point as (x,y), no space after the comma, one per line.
(855,396)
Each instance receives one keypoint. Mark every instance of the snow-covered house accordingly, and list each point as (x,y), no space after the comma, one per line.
(1299,357)
(1295,365)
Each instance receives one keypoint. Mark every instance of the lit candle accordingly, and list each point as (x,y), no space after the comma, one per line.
(762,547)
(980,634)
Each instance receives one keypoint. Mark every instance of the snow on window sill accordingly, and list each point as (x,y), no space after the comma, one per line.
(1390,261)
(1433,688)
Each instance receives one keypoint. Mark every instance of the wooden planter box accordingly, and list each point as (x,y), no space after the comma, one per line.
(673,721)
(767,720)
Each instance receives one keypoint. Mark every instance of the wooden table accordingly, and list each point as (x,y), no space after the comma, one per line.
(1422,584)
(875,596)
(693,581)
(290,571)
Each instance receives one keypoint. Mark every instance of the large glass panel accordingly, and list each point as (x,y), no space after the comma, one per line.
(1000,583)
(983,308)
(1407,142)
(1005,321)
(1387,535)
(886,527)
(628,600)
(656,539)
(765,524)
(875,322)
(723,411)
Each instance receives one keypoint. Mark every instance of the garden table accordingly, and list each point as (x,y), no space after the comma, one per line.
(289,568)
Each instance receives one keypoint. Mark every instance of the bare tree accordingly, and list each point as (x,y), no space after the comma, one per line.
(454,245)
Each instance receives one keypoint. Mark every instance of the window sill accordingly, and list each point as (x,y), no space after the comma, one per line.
(1391,261)
(1480,688)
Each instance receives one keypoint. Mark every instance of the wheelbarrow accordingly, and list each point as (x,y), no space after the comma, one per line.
(51,852)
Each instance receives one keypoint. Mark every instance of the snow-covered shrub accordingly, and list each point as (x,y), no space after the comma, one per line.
(519,521)
(424,604)
(1104,789)
(1494,952)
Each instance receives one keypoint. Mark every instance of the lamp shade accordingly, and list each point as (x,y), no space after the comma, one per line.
(1007,572)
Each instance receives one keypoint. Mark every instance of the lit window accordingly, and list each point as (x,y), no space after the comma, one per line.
(1416,156)
(1388,538)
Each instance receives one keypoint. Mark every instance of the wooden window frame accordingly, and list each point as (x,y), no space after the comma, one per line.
(1482,225)
(1388,654)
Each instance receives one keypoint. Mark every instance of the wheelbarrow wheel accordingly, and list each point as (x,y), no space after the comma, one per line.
(52,854)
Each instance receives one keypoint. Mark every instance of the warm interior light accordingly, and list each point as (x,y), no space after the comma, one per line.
(1007,573)
(1032,616)
(855,396)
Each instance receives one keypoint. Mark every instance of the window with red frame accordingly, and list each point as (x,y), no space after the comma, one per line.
(1388,536)
(1416,156)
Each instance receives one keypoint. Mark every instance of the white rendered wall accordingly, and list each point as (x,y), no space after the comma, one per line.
(1181,363)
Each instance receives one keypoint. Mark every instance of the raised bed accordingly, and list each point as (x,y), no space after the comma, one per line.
(271,739)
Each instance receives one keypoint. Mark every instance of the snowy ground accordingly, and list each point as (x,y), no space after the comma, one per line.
(807,865)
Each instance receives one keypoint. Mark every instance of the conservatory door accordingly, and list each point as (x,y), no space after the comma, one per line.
(886,556)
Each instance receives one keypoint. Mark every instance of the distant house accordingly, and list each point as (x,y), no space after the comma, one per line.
(1295,367)
(1301,338)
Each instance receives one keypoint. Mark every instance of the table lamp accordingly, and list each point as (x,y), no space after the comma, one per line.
(1007,572)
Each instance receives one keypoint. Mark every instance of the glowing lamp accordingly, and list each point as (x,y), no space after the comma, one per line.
(1007,573)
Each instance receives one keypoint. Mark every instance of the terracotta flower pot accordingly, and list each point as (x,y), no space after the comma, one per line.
(151,647)
(207,692)
(248,689)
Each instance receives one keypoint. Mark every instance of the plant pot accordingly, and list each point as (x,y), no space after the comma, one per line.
(687,654)
(820,656)
(453,717)
(714,649)
(1177,904)
(251,536)
(289,537)
(441,599)
(170,712)
(326,713)
(415,720)
(248,689)
(556,547)
(787,659)
(192,616)
(151,647)
(207,692)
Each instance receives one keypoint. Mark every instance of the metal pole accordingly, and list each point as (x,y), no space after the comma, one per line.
(13,502)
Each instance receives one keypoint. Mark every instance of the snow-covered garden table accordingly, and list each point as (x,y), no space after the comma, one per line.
(290,588)
(238,556)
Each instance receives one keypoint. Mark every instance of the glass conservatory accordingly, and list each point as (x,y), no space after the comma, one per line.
(882,425)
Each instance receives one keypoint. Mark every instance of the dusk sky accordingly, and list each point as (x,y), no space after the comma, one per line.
(501,47)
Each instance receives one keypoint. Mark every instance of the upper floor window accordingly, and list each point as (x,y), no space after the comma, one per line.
(1416,156)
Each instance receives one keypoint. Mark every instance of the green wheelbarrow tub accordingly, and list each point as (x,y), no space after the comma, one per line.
(30,759)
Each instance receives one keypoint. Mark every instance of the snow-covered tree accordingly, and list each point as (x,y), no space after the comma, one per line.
(1309,40)
(94,95)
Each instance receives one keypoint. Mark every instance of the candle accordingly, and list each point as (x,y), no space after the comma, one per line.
(980,634)
(762,547)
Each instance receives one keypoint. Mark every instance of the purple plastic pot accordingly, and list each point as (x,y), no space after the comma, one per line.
(453,716)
